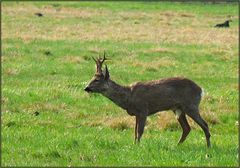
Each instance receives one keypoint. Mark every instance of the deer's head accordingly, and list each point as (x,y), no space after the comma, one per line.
(99,82)
(229,20)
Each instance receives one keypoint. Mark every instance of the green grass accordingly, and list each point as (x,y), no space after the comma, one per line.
(144,41)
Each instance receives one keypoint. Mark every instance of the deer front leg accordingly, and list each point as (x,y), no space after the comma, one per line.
(141,125)
(136,129)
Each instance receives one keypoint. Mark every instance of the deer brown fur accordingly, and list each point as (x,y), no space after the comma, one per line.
(142,99)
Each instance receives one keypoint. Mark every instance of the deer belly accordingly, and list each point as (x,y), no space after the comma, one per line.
(131,113)
(154,107)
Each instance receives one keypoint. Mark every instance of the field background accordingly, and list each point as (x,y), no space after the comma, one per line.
(46,63)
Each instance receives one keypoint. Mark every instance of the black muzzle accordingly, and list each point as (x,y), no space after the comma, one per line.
(87,89)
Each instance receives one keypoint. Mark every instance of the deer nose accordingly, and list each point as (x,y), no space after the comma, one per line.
(87,89)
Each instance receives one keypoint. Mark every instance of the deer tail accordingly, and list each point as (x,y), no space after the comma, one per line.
(202,93)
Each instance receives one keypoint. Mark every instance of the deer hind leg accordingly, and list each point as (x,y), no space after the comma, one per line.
(136,129)
(181,117)
(193,112)
(140,127)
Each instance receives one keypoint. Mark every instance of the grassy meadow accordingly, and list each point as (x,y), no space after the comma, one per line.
(48,120)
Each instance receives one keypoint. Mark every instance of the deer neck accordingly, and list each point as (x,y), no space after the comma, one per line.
(118,94)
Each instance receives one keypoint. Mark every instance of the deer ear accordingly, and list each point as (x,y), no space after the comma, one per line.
(106,76)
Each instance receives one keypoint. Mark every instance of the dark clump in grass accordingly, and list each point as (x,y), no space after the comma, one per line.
(87,58)
(120,126)
(48,53)
(38,155)
(11,123)
(150,69)
(39,14)
(136,22)
(36,113)
(53,73)
(53,154)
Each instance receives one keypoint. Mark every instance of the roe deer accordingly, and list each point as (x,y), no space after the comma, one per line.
(142,99)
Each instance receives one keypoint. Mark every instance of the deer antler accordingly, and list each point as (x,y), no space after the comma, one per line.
(94,59)
(104,58)
(99,62)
